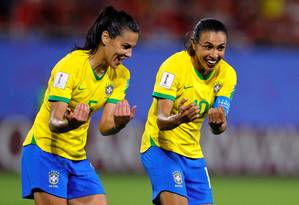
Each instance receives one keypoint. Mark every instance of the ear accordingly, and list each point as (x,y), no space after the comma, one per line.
(193,44)
(105,38)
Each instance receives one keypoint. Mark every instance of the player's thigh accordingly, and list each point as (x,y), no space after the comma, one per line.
(43,198)
(98,199)
(43,171)
(165,173)
(198,182)
(83,181)
(169,198)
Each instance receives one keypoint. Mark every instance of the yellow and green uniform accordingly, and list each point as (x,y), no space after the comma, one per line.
(74,81)
(178,79)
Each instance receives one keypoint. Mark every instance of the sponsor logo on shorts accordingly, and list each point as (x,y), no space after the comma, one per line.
(178,179)
(53,179)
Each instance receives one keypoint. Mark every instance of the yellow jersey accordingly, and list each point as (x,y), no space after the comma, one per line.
(74,81)
(178,79)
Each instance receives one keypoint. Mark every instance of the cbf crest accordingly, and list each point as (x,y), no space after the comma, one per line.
(178,179)
(54,179)
(217,87)
(109,90)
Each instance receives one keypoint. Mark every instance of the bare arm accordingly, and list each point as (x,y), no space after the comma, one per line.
(217,120)
(115,117)
(166,121)
(64,120)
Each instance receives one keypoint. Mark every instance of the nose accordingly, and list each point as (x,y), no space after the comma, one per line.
(215,53)
(129,53)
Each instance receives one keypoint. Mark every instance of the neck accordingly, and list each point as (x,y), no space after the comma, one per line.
(199,67)
(98,63)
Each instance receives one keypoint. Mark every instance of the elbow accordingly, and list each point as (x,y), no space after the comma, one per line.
(54,129)
(58,126)
(163,126)
(104,132)
(217,129)
(217,132)
(160,125)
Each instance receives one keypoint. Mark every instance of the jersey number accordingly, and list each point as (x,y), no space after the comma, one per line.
(90,103)
(203,106)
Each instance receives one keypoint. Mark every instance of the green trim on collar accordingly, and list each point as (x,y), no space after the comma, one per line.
(96,75)
(201,77)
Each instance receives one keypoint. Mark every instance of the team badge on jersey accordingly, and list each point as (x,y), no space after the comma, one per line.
(109,90)
(60,80)
(53,179)
(178,179)
(217,87)
(166,80)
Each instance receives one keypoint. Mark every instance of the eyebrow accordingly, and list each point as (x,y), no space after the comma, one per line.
(127,45)
(209,43)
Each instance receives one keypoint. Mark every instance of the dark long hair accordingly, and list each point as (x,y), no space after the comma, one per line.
(207,24)
(109,20)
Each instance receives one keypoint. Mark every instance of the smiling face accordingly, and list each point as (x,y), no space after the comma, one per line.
(117,49)
(209,50)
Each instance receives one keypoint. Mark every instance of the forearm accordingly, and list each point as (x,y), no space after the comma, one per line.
(64,125)
(168,122)
(109,128)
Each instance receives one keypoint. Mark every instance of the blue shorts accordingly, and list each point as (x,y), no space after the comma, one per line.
(56,175)
(175,173)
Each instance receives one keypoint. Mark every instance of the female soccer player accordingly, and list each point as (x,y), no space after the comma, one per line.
(54,165)
(190,86)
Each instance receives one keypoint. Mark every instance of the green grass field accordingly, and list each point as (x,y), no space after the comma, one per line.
(135,190)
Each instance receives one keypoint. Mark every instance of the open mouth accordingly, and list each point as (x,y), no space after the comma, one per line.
(120,59)
(211,63)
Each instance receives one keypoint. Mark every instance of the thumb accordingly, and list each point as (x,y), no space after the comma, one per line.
(221,108)
(183,102)
(133,111)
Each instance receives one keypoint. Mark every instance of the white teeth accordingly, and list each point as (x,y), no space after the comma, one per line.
(212,62)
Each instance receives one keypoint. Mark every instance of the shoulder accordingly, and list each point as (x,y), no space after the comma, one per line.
(226,69)
(178,57)
(122,71)
(176,63)
(72,62)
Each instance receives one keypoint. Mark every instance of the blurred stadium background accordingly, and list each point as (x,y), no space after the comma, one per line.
(255,162)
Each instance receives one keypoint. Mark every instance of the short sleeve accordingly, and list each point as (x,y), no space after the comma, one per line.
(229,84)
(226,90)
(121,87)
(61,82)
(166,81)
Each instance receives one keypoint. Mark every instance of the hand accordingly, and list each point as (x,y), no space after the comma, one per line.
(123,114)
(187,113)
(78,116)
(217,120)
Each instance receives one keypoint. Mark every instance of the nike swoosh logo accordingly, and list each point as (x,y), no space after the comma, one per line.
(186,87)
(81,88)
